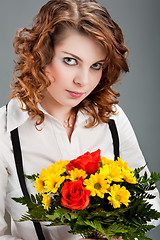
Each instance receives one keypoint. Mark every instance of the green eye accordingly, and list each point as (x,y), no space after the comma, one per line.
(70,61)
(97,66)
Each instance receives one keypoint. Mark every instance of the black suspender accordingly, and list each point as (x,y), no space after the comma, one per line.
(19,166)
(18,160)
(114,132)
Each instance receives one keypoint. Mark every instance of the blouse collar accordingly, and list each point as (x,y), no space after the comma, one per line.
(16,117)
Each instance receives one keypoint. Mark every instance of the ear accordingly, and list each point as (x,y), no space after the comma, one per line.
(49,74)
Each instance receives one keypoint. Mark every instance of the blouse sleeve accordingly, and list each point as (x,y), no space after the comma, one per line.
(3,189)
(131,153)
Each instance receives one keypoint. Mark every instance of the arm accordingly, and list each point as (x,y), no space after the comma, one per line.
(3,187)
(131,153)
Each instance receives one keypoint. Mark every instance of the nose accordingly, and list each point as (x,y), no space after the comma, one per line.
(82,77)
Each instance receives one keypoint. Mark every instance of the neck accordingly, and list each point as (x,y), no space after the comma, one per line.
(61,113)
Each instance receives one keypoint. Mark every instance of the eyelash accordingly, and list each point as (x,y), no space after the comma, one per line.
(69,58)
(65,60)
(99,68)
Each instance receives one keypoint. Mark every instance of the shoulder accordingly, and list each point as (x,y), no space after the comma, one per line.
(3,122)
(4,136)
(120,115)
(122,122)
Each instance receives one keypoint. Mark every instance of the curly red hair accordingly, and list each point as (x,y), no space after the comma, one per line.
(34,48)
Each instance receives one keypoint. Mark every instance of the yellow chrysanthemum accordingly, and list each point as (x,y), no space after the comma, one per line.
(106,161)
(39,185)
(122,164)
(118,195)
(129,176)
(43,175)
(112,173)
(97,185)
(46,201)
(76,174)
(53,182)
(57,167)
(39,182)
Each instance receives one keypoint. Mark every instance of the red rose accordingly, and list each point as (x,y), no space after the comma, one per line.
(89,162)
(74,195)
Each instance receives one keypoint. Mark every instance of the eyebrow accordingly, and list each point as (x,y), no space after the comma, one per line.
(103,60)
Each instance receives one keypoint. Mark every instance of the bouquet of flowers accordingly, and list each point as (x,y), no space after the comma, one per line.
(95,196)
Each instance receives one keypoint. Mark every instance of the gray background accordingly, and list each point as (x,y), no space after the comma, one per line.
(139,20)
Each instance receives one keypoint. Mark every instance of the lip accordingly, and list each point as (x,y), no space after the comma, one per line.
(75,94)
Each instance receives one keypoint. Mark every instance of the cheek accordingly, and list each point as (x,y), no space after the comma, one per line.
(99,76)
(62,76)
(96,80)
(58,83)
(55,72)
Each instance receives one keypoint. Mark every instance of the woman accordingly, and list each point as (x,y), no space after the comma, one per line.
(62,100)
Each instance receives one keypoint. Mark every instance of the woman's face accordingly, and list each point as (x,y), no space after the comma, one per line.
(75,70)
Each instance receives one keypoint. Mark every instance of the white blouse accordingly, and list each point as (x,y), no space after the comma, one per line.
(42,148)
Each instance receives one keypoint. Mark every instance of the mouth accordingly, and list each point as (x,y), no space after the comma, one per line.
(75,94)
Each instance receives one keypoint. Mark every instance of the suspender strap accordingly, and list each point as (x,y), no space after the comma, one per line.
(19,167)
(18,161)
(114,132)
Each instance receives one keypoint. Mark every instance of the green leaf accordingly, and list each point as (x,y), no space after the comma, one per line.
(33,199)
(32,177)
(116,228)
(52,217)
(138,170)
(60,214)
(22,200)
(96,225)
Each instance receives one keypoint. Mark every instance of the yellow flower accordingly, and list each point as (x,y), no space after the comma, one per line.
(106,161)
(76,174)
(97,185)
(43,175)
(129,176)
(39,182)
(46,201)
(118,196)
(122,164)
(57,167)
(112,173)
(39,185)
(53,182)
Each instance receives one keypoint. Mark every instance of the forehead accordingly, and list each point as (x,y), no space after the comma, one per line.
(81,45)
